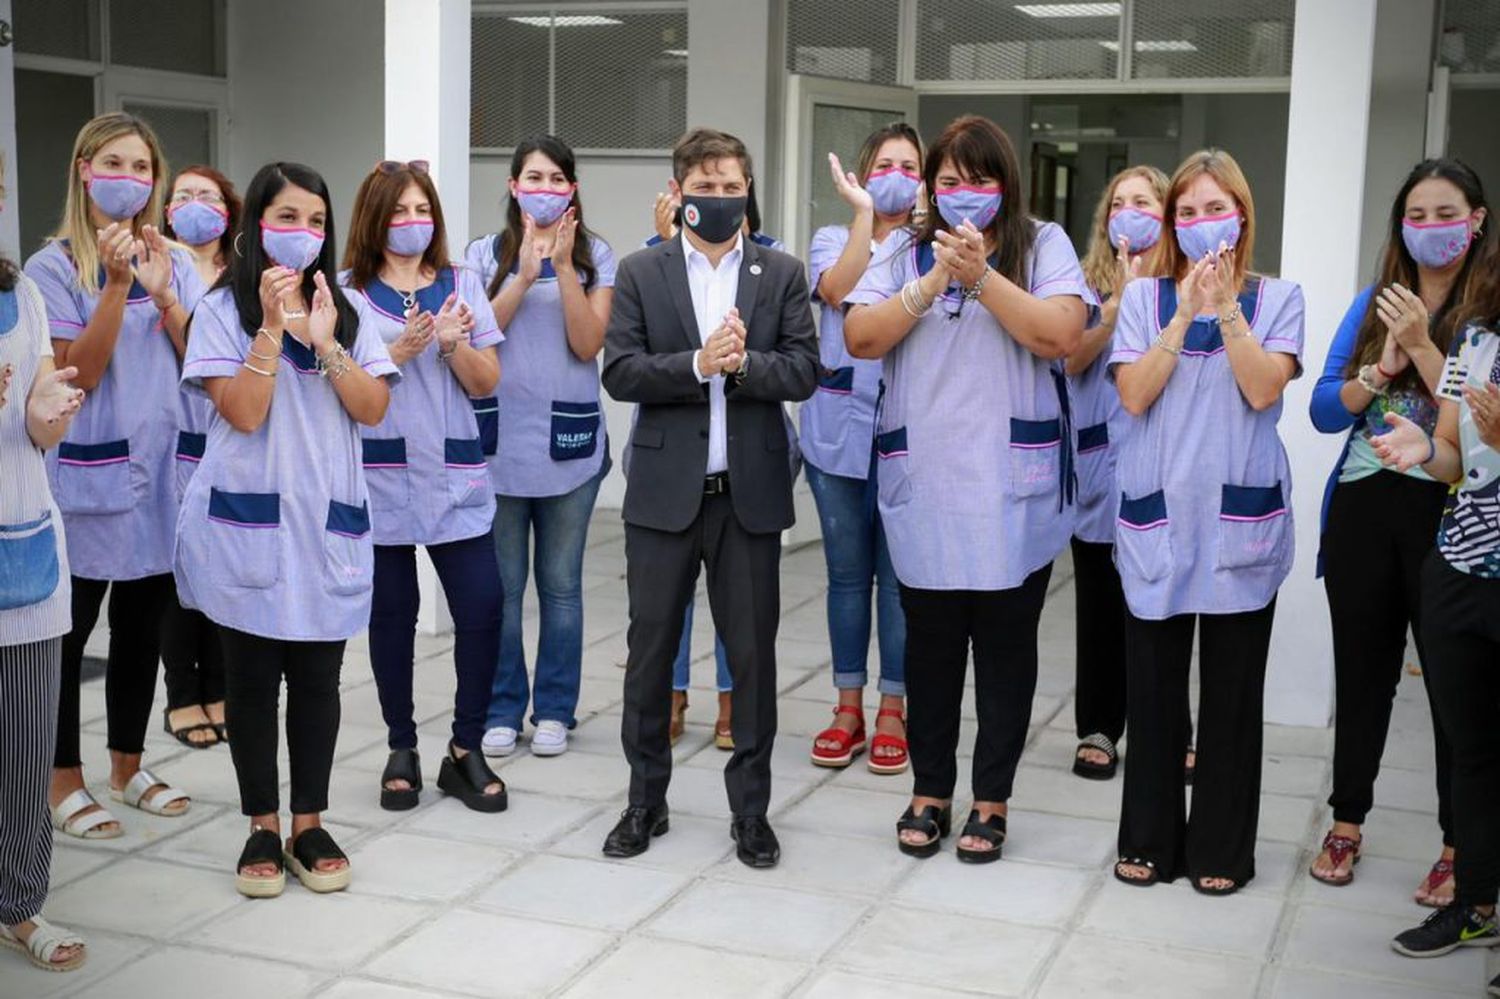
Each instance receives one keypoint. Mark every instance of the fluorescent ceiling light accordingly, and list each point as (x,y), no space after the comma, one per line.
(1173,45)
(679,53)
(567,21)
(1069,9)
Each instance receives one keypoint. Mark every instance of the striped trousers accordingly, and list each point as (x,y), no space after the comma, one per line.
(29,681)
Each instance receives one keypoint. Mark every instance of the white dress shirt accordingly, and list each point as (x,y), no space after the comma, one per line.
(714,291)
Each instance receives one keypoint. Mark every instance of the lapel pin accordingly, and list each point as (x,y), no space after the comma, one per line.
(755,269)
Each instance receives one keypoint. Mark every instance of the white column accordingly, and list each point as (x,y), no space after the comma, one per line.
(1327,137)
(427,118)
(729,70)
(10,217)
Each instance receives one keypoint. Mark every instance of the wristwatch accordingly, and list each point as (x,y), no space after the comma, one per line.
(744,370)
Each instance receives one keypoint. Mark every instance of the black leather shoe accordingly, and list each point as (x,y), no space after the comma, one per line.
(755,844)
(632,834)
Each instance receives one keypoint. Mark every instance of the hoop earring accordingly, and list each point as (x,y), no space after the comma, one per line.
(236,244)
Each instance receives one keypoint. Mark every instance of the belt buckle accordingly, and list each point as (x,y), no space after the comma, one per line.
(716,484)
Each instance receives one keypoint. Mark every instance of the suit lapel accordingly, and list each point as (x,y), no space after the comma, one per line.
(674,270)
(748,292)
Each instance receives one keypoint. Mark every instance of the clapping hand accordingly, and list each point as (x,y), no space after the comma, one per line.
(117,244)
(664,212)
(153,265)
(52,398)
(416,336)
(1404,446)
(5,375)
(961,252)
(1128,268)
(449,325)
(724,351)
(530,257)
(323,317)
(275,284)
(1404,315)
(848,188)
(562,243)
(1484,406)
(1193,295)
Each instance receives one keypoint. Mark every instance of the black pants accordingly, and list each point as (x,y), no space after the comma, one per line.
(940,627)
(28,721)
(471,581)
(1461,630)
(1099,620)
(192,657)
(135,612)
(1380,531)
(254,668)
(744,593)
(1218,841)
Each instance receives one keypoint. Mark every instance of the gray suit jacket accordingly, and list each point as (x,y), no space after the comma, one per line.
(648,359)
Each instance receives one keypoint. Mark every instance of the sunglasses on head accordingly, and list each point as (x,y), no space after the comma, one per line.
(396,166)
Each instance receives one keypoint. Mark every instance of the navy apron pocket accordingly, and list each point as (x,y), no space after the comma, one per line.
(468,474)
(487,419)
(348,552)
(1094,471)
(836,388)
(1143,542)
(575,430)
(893,469)
(386,473)
(95,478)
(190,448)
(29,571)
(1035,457)
(246,538)
(1252,526)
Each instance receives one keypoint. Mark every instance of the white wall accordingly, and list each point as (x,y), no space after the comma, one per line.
(306,83)
(10,228)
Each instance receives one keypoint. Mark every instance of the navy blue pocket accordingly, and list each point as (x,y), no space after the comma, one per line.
(383,452)
(29,571)
(349,520)
(1252,526)
(575,430)
(1035,456)
(1143,542)
(487,417)
(244,509)
(190,446)
(246,540)
(348,554)
(892,469)
(95,478)
(468,474)
(839,381)
(1093,438)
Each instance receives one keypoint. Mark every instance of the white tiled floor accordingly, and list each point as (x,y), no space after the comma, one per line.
(447,902)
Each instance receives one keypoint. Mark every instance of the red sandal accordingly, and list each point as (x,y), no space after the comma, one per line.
(1441,872)
(846,745)
(894,759)
(1339,849)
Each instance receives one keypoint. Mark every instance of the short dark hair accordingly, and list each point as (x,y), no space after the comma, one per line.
(700,145)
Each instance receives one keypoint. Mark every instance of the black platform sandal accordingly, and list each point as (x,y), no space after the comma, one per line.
(263,847)
(467,777)
(1090,770)
(991,830)
(1203,889)
(1151,878)
(307,849)
(183,735)
(403,764)
(933,822)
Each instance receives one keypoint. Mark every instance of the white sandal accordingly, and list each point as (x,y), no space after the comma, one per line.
(68,818)
(134,795)
(45,941)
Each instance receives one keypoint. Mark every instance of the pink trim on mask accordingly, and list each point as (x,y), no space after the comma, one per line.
(1138,211)
(120,176)
(265,227)
(411,222)
(997,189)
(1206,218)
(546,190)
(1435,225)
(890,170)
(173,209)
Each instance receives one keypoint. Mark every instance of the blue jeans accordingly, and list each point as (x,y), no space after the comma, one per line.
(560,525)
(681,674)
(854,545)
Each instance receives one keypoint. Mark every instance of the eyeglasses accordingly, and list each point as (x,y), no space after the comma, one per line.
(207,197)
(396,166)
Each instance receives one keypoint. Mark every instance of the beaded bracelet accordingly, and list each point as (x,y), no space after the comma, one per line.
(972,292)
(334,364)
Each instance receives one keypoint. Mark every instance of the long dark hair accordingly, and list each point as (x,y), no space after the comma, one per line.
(1481,302)
(1397,266)
(373,207)
(249,260)
(980,148)
(233,207)
(8,273)
(558,152)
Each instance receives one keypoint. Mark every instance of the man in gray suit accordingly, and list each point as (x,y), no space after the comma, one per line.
(710,334)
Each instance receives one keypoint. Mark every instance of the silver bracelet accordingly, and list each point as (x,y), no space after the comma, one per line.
(912,302)
(1161,341)
(334,364)
(971,293)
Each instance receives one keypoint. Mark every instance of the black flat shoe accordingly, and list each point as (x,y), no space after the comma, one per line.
(1203,889)
(467,777)
(1088,769)
(991,830)
(182,734)
(632,835)
(755,842)
(1151,878)
(403,764)
(263,847)
(304,854)
(933,822)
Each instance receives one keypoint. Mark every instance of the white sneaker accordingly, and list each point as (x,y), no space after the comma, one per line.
(549,739)
(499,741)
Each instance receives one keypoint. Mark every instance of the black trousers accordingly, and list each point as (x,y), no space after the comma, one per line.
(1218,840)
(192,657)
(28,721)
(941,625)
(744,592)
(135,612)
(1380,531)
(1461,629)
(1099,621)
(254,668)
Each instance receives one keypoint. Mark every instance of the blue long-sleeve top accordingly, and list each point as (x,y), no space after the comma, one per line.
(1328,412)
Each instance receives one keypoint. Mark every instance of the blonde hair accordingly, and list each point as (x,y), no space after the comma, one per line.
(1169,260)
(77,226)
(1099,262)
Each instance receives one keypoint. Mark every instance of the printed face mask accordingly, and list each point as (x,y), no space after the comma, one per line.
(893,190)
(1436,244)
(1199,237)
(1142,229)
(715,220)
(545,206)
(296,249)
(197,222)
(979,205)
(119,196)
(409,239)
